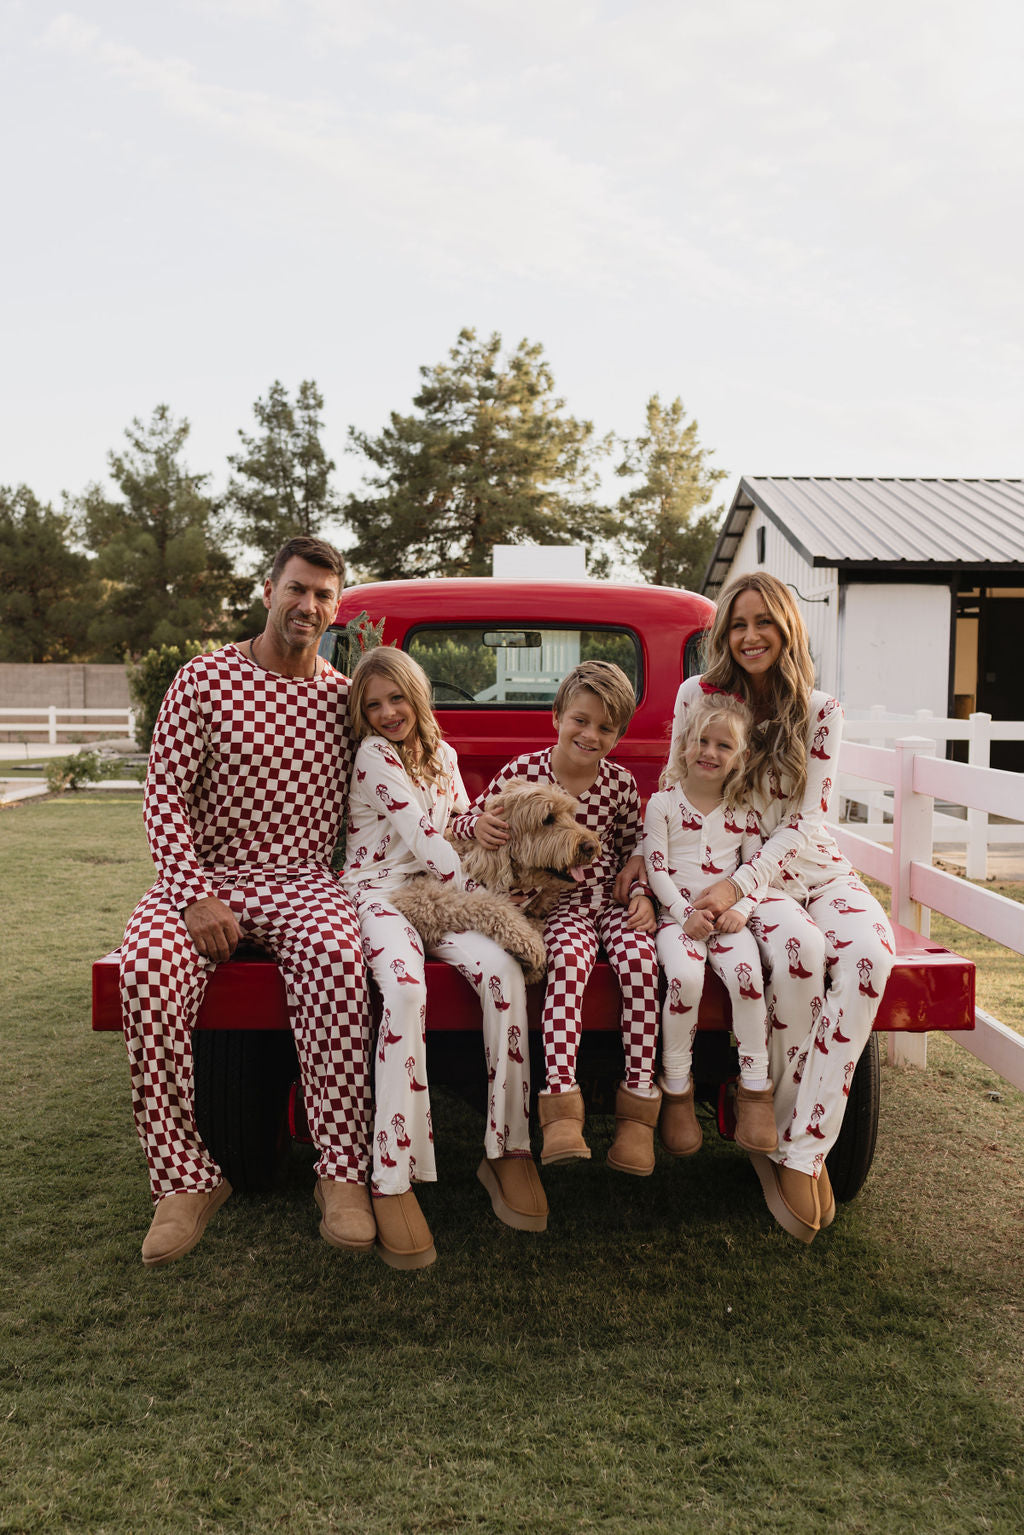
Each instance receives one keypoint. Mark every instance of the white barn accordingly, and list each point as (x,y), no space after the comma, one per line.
(912,590)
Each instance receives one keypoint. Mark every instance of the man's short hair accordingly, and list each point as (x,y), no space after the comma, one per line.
(608,682)
(315,551)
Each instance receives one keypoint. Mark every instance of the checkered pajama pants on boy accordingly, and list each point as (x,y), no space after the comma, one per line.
(403,1138)
(308,924)
(572,939)
(735,958)
(816,1041)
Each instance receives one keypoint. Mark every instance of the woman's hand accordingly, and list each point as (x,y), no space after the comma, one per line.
(717,898)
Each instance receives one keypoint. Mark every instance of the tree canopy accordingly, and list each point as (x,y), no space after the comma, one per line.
(489,456)
(159,548)
(281,486)
(664,528)
(46,596)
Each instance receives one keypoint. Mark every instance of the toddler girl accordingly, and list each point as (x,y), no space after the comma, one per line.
(694,832)
(405,786)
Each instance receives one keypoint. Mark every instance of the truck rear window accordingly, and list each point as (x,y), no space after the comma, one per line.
(505,665)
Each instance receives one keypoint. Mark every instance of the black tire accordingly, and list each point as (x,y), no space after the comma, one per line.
(850,1158)
(242,1077)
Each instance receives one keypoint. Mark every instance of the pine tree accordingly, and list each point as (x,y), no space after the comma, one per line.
(663,527)
(488,457)
(46,588)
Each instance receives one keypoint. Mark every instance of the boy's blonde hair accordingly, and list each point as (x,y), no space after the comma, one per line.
(715,708)
(409,677)
(608,682)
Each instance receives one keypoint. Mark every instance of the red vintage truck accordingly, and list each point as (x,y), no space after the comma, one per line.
(495,652)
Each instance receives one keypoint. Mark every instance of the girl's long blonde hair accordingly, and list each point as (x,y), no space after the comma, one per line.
(699,716)
(420,752)
(779,743)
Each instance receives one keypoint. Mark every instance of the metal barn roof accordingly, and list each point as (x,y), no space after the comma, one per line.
(873,524)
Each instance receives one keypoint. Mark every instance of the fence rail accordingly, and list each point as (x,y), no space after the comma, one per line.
(978,833)
(51,720)
(917,778)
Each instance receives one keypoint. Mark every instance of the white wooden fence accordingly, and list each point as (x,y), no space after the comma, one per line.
(51,720)
(979,731)
(917,778)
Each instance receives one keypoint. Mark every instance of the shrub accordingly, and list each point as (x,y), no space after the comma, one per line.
(72,772)
(148,680)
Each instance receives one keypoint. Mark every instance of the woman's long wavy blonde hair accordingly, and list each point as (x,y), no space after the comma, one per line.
(420,753)
(779,742)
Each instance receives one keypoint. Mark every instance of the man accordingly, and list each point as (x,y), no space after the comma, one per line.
(247,782)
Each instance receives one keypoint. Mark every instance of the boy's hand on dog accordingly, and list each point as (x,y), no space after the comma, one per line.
(491,829)
(640,916)
(213,928)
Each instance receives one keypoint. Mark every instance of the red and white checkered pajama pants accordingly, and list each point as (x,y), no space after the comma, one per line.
(817,1039)
(310,927)
(403,1137)
(572,939)
(736,959)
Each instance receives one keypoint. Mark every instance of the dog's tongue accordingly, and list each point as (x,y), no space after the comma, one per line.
(577,874)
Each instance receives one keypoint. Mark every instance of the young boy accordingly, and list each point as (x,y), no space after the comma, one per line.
(592,708)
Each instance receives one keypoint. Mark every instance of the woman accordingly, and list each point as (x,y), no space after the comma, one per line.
(758,650)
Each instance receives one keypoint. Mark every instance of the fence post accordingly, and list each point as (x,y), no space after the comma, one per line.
(912,838)
(52,717)
(978,753)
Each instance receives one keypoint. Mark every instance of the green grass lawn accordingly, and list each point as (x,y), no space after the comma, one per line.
(663,1358)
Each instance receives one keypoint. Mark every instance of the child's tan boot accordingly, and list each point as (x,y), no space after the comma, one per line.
(561,1120)
(678,1127)
(755,1118)
(632,1150)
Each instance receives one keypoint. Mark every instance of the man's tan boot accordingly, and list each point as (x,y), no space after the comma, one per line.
(347,1217)
(632,1150)
(178,1223)
(561,1120)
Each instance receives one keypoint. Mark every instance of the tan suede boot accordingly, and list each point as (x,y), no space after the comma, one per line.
(678,1127)
(403,1236)
(347,1217)
(632,1150)
(561,1119)
(826,1198)
(791,1196)
(178,1223)
(517,1195)
(755,1118)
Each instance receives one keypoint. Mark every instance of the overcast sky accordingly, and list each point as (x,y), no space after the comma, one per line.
(805,219)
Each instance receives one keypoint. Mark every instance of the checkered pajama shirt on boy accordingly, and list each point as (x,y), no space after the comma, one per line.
(587,916)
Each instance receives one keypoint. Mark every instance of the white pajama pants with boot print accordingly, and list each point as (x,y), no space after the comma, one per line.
(403,1136)
(736,959)
(310,927)
(814,1049)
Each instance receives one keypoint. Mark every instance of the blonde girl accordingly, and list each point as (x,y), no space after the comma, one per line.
(758,648)
(405,787)
(694,829)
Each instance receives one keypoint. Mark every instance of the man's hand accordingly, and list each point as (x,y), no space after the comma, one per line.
(633,869)
(491,829)
(717,898)
(212,928)
(640,917)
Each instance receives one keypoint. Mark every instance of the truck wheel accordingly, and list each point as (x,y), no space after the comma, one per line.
(242,1078)
(851,1156)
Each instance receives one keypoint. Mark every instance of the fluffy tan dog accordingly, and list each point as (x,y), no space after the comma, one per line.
(545,855)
